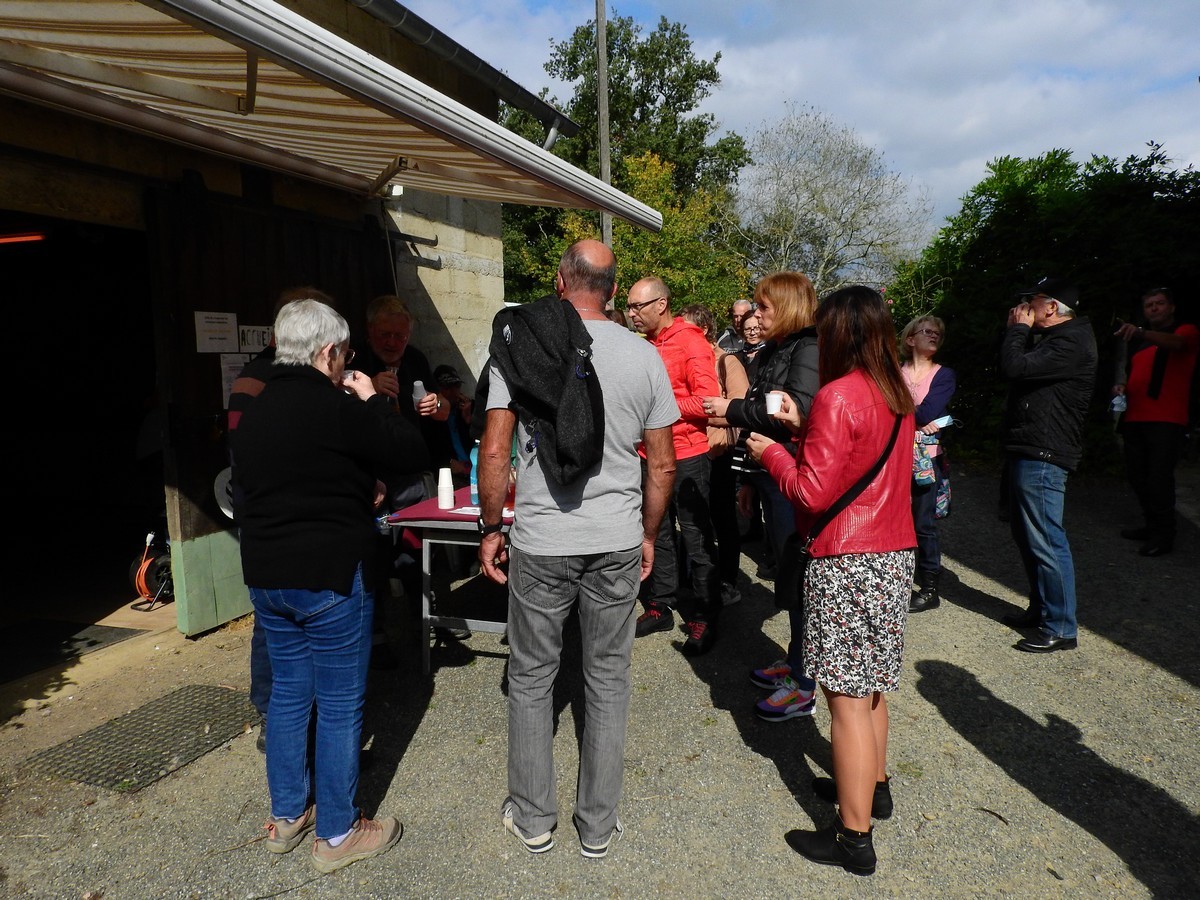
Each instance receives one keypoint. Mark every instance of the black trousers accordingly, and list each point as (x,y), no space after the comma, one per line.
(1152,451)
(689,508)
(722,505)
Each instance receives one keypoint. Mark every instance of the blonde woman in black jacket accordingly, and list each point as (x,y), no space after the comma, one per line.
(786,305)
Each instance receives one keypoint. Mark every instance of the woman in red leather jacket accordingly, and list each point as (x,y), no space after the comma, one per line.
(856,588)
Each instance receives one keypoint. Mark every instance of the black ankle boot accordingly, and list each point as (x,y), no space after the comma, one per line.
(881,802)
(927,597)
(836,845)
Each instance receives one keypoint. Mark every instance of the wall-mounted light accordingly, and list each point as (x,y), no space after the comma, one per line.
(27,237)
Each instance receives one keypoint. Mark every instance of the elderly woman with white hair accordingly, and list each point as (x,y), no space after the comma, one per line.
(309,450)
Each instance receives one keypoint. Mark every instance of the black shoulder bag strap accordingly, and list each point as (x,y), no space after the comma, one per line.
(853,491)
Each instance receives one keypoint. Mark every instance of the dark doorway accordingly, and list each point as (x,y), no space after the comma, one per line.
(84,470)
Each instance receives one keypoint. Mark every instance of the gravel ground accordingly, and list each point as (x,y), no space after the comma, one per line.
(1066,775)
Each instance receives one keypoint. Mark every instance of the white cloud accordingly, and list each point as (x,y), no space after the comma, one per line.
(939,88)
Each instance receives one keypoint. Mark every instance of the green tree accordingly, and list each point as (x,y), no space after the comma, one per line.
(1115,228)
(656,84)
(682,254)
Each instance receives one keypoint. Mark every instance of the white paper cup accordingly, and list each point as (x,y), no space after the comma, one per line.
(445,489)
(774,403)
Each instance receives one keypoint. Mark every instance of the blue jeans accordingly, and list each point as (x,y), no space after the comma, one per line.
(1037,491)
(542,590)
(779,523)
(320,644)
(260,669)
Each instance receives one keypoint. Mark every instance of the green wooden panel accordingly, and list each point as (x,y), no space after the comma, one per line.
(208,582)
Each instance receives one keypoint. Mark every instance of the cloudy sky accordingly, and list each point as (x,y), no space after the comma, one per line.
(941,88)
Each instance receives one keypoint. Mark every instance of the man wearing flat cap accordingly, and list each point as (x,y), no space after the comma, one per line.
(1049,357)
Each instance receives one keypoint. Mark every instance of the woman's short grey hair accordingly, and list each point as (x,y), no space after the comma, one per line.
(303,328)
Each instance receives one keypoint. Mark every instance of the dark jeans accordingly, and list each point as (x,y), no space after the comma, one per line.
(722,504)
(260,669)
(689,504)
(924,501)
(1151,453)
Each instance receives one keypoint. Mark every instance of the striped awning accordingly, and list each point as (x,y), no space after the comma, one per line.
(257,82)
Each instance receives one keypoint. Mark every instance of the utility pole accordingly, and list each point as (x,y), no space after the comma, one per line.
(602,112)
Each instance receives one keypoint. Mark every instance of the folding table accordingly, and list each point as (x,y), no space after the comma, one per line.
(444,526)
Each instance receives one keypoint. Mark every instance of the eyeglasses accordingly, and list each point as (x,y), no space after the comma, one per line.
(636,307)
(349,356)
(936,335)
(400,337)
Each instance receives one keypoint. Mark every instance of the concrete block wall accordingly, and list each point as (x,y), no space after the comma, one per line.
(456,285)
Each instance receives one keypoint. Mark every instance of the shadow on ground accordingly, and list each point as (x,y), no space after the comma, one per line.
(1150,607)
(1145,826)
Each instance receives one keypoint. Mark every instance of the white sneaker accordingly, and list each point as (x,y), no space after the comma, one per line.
(537,844)
(599,851)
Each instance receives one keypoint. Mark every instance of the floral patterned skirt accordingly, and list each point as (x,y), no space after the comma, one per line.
(855,609)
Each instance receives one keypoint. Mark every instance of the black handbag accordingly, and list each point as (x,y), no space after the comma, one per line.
(789,584)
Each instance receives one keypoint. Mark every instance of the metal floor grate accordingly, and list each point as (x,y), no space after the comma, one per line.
(140,747)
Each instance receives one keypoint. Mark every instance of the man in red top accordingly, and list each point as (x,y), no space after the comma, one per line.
(689,362)
(1159,360)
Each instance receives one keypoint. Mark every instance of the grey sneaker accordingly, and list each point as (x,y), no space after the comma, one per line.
(536,844)
(370,837)
(599,851)
(283,836)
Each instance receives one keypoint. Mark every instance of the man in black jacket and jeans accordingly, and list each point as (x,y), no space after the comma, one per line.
(1049,356)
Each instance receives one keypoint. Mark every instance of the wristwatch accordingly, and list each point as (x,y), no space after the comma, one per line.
(485,529)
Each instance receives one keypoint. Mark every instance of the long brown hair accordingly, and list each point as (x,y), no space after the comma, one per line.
(855,331)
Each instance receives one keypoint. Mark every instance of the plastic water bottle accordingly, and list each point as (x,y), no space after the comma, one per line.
(419,392)
(1119,404)
(475,474)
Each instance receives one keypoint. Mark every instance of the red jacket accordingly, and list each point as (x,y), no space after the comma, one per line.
(844,435)
(688,358)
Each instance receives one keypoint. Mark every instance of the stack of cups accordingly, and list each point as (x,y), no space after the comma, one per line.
(445,489)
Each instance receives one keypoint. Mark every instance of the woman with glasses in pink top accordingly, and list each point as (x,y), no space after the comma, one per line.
(931,385)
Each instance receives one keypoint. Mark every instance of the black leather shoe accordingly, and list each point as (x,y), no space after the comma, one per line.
(836,845)
(924,601)
(1047,643)
(1135,534)
(1155,548)
(1031,618)
(881,801)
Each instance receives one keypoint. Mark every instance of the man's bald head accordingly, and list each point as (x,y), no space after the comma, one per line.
(588,267)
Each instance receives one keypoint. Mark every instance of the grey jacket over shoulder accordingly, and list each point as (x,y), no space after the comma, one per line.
(1053,376)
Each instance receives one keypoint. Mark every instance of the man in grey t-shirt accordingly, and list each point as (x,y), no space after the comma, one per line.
(588,543)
